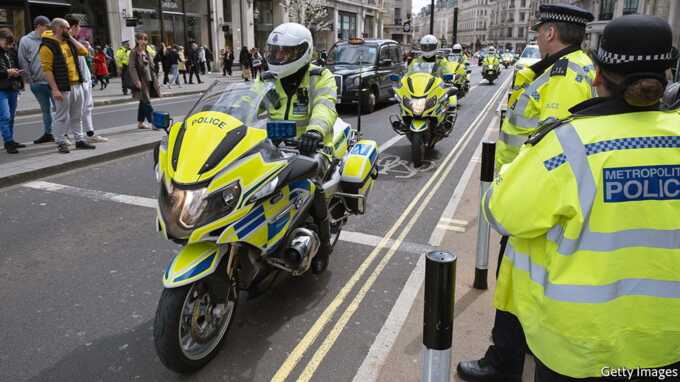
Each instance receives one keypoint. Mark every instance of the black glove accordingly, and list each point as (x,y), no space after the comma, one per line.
(309,142)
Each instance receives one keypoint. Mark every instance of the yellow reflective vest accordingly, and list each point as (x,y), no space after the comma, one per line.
(312,106)
(535,99)
(122,56)
(592,268)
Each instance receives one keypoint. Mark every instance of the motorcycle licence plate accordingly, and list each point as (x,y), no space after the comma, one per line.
(281,130)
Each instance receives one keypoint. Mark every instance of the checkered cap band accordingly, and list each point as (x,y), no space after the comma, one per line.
(616,145)
(561,17)
(615,58)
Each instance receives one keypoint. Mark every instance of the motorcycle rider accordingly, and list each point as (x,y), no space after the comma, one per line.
(307,96)
(428,48)
(458,66)
(491,58)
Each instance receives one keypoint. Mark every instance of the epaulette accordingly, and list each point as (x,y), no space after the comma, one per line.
(560,68)
(544,127)
(266,76)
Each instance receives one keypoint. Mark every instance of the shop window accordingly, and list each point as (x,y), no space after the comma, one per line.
(630,7)
(607,9)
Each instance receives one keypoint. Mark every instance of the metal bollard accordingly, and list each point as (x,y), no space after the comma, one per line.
(440,286)
(483,229)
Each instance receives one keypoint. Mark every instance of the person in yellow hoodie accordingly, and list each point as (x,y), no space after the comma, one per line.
(58,56)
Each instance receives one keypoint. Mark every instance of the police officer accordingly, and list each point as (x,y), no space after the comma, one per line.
(307,96)
(547,89)
(551,86)
(591,269)
(122,55)
(428,53)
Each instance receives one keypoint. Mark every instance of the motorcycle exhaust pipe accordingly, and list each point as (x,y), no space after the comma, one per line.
(302,248)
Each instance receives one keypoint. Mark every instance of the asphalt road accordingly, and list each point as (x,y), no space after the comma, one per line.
(80,277)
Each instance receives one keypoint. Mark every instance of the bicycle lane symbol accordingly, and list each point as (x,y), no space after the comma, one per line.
(389,164)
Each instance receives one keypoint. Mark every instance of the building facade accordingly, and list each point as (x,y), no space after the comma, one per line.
(398,21)
(474,20)
(359,18)
(509,24)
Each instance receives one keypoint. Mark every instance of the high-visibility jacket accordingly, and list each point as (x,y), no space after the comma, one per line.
(458,69)
(592,266)
(312,106)
(491,60)
(122,55)
(441,65)
(533,99)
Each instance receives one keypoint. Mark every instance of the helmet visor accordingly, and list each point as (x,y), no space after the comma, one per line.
(428,47)
(282,55)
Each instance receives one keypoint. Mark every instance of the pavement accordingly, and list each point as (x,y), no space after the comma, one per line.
(81,264)
(113,94)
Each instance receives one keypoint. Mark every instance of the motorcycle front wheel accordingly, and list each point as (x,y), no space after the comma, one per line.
(417,149)
(191,323)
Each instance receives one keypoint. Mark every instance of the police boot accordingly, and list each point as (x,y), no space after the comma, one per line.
(489,369)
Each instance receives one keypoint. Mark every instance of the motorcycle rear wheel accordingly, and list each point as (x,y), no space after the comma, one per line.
(190,326)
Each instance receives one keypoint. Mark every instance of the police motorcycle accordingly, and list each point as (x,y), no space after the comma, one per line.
(428,106)
(491,71)
(245,205)
(462,82)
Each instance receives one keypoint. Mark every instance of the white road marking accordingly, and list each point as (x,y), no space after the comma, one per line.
(390,142)
(463,223)
(381,347)
(92,194)
(449,227)
(347,236)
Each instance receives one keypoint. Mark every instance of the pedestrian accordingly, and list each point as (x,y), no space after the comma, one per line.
(58,55)
(545,90)
(88,100)
(591,269)
(201,59)
(166,64)
(194,64)
(256,62)
(227,61)
(29,61)
(182,63)
(209,58)
(10,84)
(122,54)
(110,60)
(172,59)
(143,79)
(101,69)
(245,60)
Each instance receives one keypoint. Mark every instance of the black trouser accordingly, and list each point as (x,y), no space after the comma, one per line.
(507,352)
(184,76)
(192,71)
(226,68)
(166,71)
(123,74)
(144,111)
(671,374)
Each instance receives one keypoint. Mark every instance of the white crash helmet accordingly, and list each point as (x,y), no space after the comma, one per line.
(289,48)
(457,48)
(491,50)
(428,45)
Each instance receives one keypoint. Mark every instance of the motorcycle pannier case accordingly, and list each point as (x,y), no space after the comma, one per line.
(358,174)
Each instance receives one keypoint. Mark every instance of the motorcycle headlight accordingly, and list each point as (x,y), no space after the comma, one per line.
(429,104)
(418,105)
(193,204)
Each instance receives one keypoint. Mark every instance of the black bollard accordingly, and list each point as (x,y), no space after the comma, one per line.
(483,229)
(440,285)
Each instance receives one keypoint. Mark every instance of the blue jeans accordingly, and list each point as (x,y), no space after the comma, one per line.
(43,94)
(8,107)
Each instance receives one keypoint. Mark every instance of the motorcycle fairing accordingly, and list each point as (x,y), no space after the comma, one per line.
(193,262)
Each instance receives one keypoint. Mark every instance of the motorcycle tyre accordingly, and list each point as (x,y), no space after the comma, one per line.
(167,319)
(417,150)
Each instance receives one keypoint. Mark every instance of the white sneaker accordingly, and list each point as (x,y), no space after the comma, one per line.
(97,139)
(68,141)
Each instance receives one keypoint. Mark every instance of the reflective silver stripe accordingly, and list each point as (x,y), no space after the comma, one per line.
(512,140)
(576,154)
(318,122)
(489,216)
(323,92)
(580,71)
(324,101)
(591,294)
(517,116)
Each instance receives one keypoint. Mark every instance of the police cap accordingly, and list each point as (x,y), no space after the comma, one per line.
(635,43)
(562,13)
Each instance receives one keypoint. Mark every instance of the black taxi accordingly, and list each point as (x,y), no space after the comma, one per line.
(365,62)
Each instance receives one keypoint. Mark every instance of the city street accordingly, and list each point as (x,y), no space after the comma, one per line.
(81,263)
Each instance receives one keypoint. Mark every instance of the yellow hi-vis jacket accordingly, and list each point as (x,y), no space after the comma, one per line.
(312,106)
(532,100)
(122,56)
(592,268)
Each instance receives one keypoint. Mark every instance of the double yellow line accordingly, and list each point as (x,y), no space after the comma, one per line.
(427,192)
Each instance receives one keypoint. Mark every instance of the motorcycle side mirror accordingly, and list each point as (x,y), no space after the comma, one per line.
(452,91)
(161,120)
(448,77)
(394,77)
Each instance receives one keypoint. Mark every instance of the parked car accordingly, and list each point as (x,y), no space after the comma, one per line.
(530,55)
(365,64)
